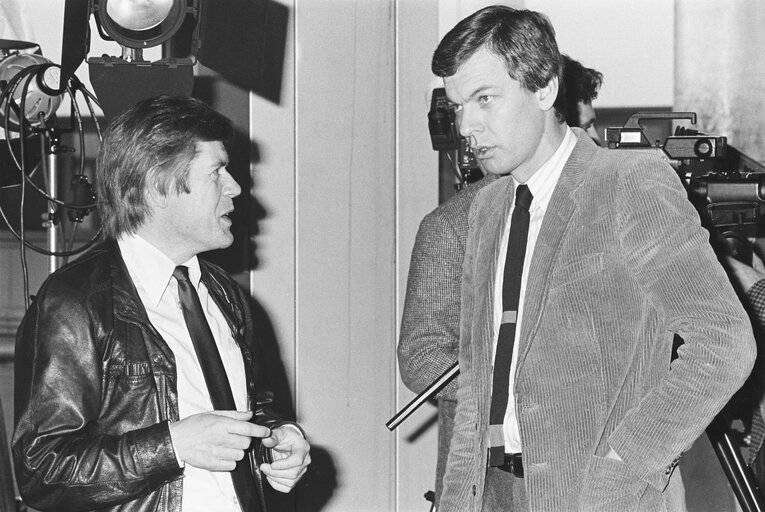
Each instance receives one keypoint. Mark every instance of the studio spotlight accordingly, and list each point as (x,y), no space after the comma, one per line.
(140,24)
(242,40)
(32,83)
(138,16)
(136,25)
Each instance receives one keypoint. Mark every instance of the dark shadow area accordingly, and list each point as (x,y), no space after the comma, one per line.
(423,427)
(315,490)
(244,41)
(268,348)
(241,255)
(243,154)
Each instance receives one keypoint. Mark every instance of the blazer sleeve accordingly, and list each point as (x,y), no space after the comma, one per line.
(668,253)
(429,334)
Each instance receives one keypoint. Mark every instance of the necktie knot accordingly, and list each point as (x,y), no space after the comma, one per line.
(181,273)
(523,197)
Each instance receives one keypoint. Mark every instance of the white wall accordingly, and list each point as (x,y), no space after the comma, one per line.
(631,42)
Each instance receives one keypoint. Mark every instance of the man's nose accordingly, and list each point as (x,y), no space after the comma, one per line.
(468,122)
(230,187)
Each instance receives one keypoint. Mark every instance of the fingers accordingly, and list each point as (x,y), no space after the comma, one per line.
(291,452)
(215,440)
(284,484)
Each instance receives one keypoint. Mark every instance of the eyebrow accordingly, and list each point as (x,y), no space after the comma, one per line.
(478,92)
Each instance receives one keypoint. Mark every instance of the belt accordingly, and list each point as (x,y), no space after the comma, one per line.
(513,464)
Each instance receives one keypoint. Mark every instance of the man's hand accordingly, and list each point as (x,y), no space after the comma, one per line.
(216,440)
(291,458)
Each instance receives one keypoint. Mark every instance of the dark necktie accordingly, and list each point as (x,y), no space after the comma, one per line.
(511,291)
(215,378)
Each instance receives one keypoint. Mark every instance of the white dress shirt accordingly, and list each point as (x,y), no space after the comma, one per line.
(541,184)
(151,271)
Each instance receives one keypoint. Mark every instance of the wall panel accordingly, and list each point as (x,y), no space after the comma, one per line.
(345,259)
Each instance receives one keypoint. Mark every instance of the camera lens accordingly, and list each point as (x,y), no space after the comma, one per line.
(703,148)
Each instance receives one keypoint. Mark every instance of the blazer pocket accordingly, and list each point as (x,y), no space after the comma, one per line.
(578,269)
(611,485)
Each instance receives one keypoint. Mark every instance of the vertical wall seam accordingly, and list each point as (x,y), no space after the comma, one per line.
(396,246)
(296,211)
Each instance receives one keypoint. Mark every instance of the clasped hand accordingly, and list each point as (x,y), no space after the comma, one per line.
(215,441)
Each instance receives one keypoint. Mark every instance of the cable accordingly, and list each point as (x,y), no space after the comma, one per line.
(12,106)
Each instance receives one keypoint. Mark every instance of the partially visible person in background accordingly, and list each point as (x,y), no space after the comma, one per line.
(429,337)
(580,88)
(750,281)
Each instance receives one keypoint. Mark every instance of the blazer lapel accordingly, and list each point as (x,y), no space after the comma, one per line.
(491,225)
(554,226)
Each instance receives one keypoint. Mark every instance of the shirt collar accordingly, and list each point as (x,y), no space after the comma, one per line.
(150,268)
(542,183)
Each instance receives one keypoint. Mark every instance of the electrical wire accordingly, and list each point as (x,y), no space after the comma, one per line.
(48,137)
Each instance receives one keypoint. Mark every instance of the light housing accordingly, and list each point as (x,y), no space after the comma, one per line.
(141,24)
(241,40)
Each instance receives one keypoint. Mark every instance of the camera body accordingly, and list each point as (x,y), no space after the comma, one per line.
(726,187)
(445,136)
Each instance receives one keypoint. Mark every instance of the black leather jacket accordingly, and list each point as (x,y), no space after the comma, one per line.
(95,389)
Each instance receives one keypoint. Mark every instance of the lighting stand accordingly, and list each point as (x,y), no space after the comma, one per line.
(52,143)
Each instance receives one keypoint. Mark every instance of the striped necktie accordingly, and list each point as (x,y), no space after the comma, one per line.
(511,291)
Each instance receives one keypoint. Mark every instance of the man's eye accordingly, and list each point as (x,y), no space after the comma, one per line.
(483,100)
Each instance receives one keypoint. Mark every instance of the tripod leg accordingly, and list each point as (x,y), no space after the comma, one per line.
(739,475)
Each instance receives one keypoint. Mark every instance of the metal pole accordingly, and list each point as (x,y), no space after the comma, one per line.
(426,394)
(52,210)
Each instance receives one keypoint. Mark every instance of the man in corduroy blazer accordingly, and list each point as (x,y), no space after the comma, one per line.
(616,263)
(429,337)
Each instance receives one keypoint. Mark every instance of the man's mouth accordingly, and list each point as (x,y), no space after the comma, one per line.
(482,151)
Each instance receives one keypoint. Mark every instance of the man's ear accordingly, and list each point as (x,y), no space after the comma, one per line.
(155,198)
(547,94)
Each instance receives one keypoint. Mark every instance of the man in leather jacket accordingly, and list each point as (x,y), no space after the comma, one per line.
(112,410)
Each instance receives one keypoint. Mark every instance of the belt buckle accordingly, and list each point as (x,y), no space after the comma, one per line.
(513,464)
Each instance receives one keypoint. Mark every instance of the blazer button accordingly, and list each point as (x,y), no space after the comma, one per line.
(473,490)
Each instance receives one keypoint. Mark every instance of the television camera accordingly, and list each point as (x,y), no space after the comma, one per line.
(726,186)
(445,138)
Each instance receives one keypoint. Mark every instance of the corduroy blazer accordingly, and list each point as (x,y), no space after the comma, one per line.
(620,265)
